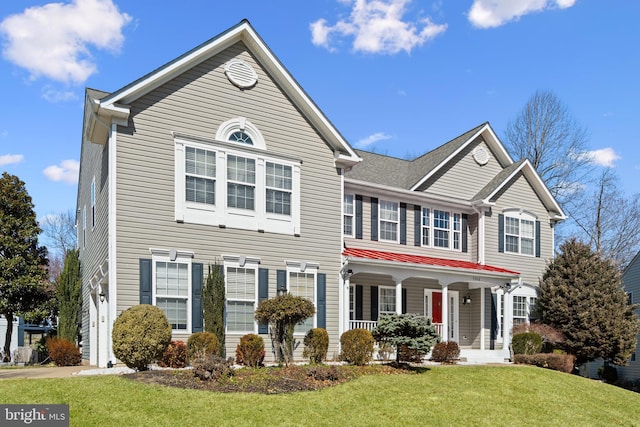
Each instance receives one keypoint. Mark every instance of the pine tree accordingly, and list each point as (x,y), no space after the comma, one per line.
(581,295)
(22,261)
(69,297)
(213,299)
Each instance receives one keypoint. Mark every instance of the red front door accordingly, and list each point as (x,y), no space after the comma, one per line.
(436,307)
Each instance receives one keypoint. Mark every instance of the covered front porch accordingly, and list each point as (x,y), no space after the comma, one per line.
(467,303)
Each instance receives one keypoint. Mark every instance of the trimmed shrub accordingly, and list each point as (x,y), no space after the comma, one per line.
(316,345)
(526,343)
(175,356)
(140,336)
(357,346)
(250,351)
(63,352)
(446,352)
(201,345)
(411,335)
(555,361)
(212,367)
(608,374)
(552,339)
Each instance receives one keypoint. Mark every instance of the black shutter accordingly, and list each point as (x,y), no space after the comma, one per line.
(358,216)
(321,305)
(538,239)
(500,233)
(417,225)
(494,318)
(145,281)
(281,280)
(358,313)
(374,303)
(374,218)
(404,300)
(465,224)
(403,223)
(263,294)
(197,276)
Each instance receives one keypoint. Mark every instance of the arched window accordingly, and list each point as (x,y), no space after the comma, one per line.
(242,131)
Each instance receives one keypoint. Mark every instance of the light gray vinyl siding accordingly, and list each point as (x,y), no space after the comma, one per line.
(94,160)
(518,194)
(197,103)
(409,248)
(463,169)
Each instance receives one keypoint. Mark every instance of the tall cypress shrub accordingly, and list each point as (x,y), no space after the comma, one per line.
(68,293)
(213,299)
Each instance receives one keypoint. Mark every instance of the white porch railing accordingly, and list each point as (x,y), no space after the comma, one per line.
(370,324)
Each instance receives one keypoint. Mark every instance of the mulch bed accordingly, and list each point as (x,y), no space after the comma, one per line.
(269,380)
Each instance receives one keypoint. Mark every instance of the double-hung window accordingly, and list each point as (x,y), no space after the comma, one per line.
(84,227)
(426,227)
(347,214)
(172,289)
(241,182)
(93,202)
(241,298)
(441,228)
(519,309)
(303,284)
(386,300)
(279,185)
(519,233)
(200,175)
(389,220)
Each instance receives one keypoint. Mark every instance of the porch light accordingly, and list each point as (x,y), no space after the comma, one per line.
(102,296)
(466,299)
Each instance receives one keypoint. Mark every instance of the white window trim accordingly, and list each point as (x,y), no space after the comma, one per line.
(248,262)
(351,215)
(241,124)
(520,215)
(395,300)
(84,227)
(432,229)
(380,221)
(219,214)
(93,202)
(174,256)
(307,267)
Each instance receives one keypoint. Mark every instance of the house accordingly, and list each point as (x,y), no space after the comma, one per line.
(631,285)
(220,157)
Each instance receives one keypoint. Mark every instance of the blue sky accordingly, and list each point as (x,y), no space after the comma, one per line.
(399,77)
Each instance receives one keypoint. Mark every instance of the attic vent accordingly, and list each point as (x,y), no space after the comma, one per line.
(240,74)
(481,156)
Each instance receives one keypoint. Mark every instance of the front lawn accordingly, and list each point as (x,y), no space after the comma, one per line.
(439,396)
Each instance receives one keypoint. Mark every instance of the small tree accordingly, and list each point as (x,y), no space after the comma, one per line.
(408,331)
(581,296)
(283,313)
(69,297)
(213,298)
(22,261)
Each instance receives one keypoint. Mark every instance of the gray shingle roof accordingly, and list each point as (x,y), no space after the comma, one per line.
(497,180)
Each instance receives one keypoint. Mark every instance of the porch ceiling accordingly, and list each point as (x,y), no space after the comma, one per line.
(450,264)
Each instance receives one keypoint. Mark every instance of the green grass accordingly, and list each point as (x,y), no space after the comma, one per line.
(441,396)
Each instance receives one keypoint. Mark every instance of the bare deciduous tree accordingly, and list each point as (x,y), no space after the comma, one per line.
(59,232)
(545,133)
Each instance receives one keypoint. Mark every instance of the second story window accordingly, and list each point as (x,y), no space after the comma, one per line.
(426,227)
(348,211)
(519,233)
(200,175)
(441,229)
(388,221)
(279,185)
(441,224)
(241,179)
(93,202)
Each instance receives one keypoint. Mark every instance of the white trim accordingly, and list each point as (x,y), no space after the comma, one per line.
(304,267)
(244,125)
(93,202)
(395,300)
(352,214)
(396,221)
(181,257)
(112,290)
(246,263)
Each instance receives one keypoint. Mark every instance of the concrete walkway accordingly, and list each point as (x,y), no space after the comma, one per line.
(42,371)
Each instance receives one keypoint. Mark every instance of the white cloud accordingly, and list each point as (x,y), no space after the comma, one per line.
(66,172)
(494,13)
(603,157)
(54,95)
(53,40)
(377,27)
(10,159)
(371,139)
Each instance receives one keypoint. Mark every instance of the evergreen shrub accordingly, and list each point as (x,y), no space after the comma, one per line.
(140,336)
(357,346)
(63,352)
(201,345)
(175,355)
(526,343)
(316,345)
(250,351)
(608,374)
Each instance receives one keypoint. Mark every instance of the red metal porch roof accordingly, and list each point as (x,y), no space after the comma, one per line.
(420,259)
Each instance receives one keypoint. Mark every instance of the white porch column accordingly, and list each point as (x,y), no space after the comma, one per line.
(399,297)
(482,320)
(507,319)
(445,313)
(344,325)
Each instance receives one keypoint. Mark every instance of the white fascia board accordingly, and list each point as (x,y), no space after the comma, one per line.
(538,186)
(393,193)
